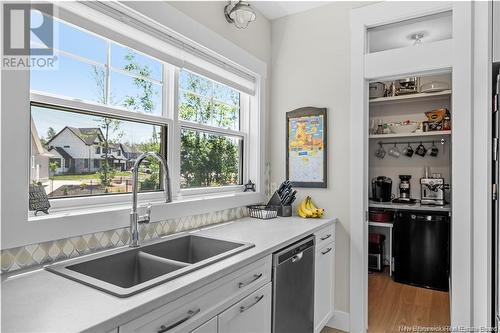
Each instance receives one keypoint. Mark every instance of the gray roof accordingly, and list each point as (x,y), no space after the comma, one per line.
(87,134)
(62,152)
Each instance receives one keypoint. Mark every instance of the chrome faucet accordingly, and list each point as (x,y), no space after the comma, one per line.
(135,218)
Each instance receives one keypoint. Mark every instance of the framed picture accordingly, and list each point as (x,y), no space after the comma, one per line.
(306,147)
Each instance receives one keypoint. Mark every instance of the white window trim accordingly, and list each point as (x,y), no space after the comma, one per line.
(19,229)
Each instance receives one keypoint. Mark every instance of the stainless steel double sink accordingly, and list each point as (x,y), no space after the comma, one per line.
(127,271)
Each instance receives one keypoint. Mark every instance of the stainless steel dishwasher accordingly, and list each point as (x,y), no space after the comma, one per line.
(293,288)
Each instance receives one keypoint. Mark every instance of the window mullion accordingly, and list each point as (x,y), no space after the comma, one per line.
(108,73)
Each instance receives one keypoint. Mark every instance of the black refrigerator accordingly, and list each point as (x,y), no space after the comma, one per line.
(421,249)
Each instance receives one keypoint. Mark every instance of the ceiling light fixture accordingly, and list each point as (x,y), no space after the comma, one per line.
(417,38)
(239,13)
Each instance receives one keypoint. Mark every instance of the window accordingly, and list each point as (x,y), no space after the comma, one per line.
(111,174)
(85,142)
(133,82)
(211,141)
(108,103)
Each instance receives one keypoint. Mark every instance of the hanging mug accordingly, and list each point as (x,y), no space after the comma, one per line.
(421,150)
(408,151)
(394,152)
(380,152)
(434,150)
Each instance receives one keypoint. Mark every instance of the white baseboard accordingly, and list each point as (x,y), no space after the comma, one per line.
(340,321)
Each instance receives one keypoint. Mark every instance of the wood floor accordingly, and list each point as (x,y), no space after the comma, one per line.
(391,305)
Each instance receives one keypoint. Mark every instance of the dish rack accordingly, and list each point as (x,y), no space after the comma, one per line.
(262,212)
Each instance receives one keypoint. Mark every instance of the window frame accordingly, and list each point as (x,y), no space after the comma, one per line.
(242,134)
(170,91)
(78,216)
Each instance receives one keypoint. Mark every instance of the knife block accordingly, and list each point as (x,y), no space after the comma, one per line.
(283,210)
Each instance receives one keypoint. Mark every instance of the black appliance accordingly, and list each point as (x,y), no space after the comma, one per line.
(421,249)
(404,186)
(404,191)
(381,189)
(293,288)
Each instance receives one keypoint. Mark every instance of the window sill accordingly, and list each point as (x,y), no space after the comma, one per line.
(65,223)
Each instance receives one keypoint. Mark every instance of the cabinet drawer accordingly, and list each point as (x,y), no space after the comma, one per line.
(250,315)
(189,311)
(208,327)
(324,236)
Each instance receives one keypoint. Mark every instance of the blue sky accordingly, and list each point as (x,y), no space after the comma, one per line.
(75,79)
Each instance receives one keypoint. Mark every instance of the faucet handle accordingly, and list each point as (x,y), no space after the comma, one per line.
(146,217)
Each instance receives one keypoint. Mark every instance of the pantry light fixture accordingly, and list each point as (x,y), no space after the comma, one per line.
(239,13)
(417,38)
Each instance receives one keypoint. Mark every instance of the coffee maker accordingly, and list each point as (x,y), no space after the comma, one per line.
(381,189)
(404,190)
(432,190)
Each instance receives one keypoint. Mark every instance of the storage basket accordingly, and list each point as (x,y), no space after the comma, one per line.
(262,212)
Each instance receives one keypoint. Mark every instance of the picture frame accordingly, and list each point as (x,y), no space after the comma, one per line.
(307,147)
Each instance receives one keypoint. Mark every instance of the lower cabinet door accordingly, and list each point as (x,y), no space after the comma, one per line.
(323,286)
(250,315)
(209,327)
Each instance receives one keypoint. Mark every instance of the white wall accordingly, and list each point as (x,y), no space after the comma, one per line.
(256,38)
(311,67)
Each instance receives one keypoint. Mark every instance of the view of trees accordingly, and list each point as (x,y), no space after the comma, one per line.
(207,159)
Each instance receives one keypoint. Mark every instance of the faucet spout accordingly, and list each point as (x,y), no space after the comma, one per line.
(135,219)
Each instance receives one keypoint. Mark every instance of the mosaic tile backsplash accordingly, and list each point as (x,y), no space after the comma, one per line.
(48,252)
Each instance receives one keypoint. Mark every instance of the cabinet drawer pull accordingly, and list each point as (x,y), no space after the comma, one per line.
(326,237)
(326,251)
(257,300)
(190,314)
(255,278)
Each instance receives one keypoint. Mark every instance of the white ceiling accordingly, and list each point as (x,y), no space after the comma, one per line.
(275,9)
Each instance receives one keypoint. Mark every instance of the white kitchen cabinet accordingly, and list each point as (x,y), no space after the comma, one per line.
(209,327)
(496,31)
(323,285)
(190,311)
(250,315)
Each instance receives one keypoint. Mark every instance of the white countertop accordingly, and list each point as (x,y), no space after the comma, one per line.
(41,301)
(415,206)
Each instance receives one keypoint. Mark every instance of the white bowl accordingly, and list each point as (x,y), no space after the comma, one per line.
(400,129)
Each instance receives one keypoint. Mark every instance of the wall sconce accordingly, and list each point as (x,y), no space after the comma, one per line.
(239,13)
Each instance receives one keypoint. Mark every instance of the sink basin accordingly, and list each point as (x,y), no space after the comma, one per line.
(191,249)
(127,271)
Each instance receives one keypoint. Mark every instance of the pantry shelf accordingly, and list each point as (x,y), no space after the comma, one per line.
(410,97)
(409,135)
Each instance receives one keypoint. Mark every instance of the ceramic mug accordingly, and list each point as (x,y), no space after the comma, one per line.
(380,152)
(433,151)
(394,152)
(408,151)
(421,150)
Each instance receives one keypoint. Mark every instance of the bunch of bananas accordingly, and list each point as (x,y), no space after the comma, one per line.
(307,209)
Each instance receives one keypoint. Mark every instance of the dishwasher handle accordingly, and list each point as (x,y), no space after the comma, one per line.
(294,252)
(297,257)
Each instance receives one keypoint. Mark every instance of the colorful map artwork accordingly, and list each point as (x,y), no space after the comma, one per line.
(305,149)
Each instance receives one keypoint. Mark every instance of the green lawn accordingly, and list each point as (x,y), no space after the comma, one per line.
(89,176)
